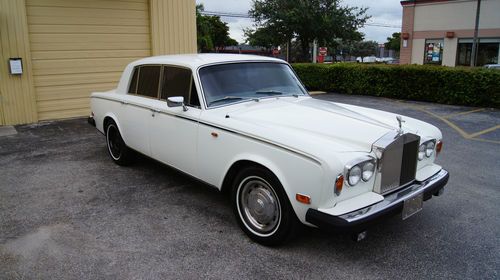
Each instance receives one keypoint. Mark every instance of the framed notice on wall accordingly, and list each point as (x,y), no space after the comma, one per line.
(16,66)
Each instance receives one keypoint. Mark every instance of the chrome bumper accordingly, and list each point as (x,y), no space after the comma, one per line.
(391,205)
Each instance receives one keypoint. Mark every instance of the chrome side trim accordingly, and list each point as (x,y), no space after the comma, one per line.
(394,198)
(304,155)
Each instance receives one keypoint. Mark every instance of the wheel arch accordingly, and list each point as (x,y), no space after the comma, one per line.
(107,118)
(246,161)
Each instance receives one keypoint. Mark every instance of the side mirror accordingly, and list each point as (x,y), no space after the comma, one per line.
(176,101)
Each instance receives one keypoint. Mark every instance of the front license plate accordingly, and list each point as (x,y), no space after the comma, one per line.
(413,205)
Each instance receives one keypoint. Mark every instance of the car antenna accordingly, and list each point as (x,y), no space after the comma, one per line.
(227,116)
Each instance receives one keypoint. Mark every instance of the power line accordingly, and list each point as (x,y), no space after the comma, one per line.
(225,14)
(241,15)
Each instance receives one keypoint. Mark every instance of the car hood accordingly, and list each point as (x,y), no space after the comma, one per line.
(309,124)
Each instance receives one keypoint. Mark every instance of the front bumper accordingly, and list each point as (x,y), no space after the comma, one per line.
(392,204)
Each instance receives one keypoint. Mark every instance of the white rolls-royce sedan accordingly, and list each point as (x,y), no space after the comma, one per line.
(247,126)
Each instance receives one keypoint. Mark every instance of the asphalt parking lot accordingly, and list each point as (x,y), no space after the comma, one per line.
(68,212)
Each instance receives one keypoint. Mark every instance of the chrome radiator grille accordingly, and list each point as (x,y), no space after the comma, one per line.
(398,162)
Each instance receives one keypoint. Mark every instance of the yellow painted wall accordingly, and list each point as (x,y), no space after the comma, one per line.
(82,46)
(17,97)
(71,48)
(173,26)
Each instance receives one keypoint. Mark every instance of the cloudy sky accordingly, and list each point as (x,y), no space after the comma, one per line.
(382,11)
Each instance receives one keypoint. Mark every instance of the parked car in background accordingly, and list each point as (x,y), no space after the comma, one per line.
(492,66)
(247,126)
(367,59)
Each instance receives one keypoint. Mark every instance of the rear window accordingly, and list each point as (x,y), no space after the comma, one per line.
(149,81)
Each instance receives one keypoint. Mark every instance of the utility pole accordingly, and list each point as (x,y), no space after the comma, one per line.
(288,51)
(475,43)
(315,50)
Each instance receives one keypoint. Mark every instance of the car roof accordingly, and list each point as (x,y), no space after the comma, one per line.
(196,60)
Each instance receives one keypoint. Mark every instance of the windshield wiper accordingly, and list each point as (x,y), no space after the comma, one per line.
(273,92)
(226,98)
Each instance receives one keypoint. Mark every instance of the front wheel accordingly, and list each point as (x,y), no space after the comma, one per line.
(262,208)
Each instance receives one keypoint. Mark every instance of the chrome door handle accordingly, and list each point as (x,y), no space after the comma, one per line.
(123,102)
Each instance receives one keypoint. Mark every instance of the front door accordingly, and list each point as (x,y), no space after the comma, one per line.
(173,131)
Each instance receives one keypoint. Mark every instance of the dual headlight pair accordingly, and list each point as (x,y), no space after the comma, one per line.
(426,149)
(363,170)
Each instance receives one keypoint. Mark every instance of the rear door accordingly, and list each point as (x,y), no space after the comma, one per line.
(173,131)
(136,110)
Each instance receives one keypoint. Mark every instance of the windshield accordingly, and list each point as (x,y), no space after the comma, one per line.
(236,82)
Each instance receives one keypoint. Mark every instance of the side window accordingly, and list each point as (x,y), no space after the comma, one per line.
(177,82)
(149,80)
(133,82)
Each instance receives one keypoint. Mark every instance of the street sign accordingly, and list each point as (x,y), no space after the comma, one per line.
(323,51)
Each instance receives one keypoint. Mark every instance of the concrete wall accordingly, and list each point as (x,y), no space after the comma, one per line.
(450,51)
(456,15)
(417,54)
(432,20)
(405,52)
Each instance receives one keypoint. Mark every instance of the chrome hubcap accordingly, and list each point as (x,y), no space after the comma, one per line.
(259,205)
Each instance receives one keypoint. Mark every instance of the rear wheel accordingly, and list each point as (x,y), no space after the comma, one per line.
(262,208)
(117,149)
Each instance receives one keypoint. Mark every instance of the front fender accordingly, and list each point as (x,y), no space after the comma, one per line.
(302,177)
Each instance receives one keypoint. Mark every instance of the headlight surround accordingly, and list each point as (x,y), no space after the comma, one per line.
(360,170)
(426,149)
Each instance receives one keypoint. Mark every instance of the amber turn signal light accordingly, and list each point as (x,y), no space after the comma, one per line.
(302,198)
(439,146)
(339,183)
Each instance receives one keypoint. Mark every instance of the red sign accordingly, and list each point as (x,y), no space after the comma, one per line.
(323,51)
(276,51)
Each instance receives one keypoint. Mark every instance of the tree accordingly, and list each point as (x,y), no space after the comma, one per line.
(306,21)
(212,33)
(394,42)
(264,37)
(364,48)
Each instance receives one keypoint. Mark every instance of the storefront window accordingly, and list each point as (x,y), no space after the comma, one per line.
(433,51)
(487,52)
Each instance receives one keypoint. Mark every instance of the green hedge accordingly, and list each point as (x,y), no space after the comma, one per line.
(460,85)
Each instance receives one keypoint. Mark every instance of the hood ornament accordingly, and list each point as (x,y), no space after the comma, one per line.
(400,121)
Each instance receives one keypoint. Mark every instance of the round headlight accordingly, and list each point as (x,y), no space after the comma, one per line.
(354,175)
(368,169)
(421,152)
(429,148)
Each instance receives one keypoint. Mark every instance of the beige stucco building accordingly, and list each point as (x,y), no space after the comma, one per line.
(442,31)
(69,48)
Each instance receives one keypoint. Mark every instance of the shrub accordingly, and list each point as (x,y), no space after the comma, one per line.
(459,85)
